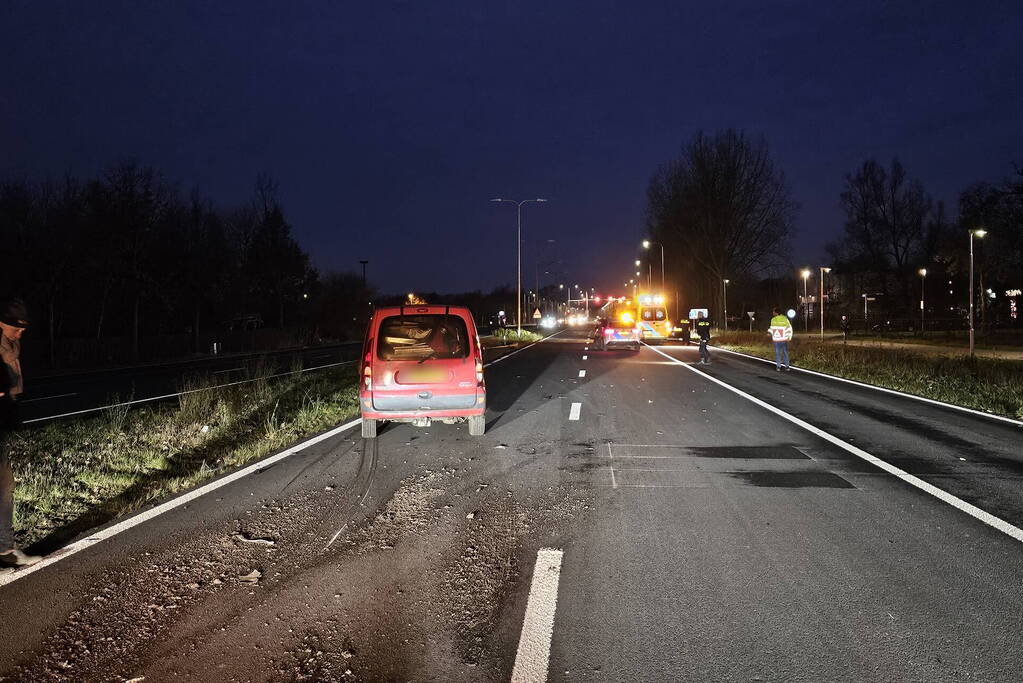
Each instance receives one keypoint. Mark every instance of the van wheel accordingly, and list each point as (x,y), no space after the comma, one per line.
(477,425)
(369,428)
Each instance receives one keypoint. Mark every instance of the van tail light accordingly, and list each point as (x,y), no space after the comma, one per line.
(479,370)
(367,373)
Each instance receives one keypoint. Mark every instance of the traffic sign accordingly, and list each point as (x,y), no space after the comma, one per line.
(537,315)
(751,314)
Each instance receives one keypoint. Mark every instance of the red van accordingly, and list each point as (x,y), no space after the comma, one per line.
(422,363)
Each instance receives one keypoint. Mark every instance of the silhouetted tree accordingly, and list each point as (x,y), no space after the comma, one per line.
(722,209)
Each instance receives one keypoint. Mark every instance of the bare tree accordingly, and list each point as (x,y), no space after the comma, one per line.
(723,210)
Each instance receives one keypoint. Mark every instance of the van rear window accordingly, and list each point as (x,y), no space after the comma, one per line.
(422,337)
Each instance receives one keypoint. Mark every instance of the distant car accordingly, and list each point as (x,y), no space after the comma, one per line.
(616,333)
(422,363)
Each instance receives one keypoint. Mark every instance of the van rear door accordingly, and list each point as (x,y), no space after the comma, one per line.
(427,361)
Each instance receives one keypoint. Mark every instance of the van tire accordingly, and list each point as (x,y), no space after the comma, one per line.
(477,425)
(369,428)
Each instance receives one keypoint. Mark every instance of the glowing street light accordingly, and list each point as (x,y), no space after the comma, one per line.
(646,245)
(979,233)
(923,278)
(806,319)
(724,300)
(518,210)
(824,269)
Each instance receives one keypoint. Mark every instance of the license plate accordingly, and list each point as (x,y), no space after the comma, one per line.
(422,376)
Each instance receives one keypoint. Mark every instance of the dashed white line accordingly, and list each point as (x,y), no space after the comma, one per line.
(584,357)
(534,652)
(573,413)
(611,464)
(582,373)
(942,495)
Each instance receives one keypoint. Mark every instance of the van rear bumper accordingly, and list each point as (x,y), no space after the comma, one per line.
(403,407)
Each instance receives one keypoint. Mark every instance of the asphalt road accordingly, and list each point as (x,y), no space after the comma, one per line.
(700,536)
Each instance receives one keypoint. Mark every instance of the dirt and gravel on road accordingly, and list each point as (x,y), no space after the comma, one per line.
(409,570)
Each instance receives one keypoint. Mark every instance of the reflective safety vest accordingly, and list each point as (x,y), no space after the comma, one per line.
(781,329)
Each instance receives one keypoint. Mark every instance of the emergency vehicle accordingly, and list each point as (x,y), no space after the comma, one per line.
(653,320)
(617,326)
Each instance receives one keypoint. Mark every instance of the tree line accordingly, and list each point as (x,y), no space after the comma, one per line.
(128,254)
(723,211)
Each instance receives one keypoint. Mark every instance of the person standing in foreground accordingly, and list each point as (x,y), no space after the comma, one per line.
(781,333)
(13,321)
(703,330)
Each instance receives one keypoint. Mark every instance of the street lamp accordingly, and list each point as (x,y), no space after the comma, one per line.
(518,210)
(824,269)
(979,233)
(724,302)
(646,245)
(806,319)
(923,277)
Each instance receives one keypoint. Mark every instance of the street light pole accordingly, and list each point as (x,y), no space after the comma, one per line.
(724,300)
(646,245)
(923,278)
(824,270)
(518,291)
(806,305)
(979,233)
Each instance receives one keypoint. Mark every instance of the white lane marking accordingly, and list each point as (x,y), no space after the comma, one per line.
(182,393)
(111,531)
(534,653)
(573,413)
(146,515)
(942,495)
(46,398)
(884,389)
(582,373)
(611,464)
(331,542)
(509,355)
(224,372)
(584,357)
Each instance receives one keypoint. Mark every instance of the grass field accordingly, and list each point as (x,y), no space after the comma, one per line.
(74,475)
(987,384)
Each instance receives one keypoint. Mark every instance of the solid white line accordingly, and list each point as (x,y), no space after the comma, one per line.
(886,390)
(573,413)
(146,515)
(582,373)
(224,372)
(942,495)
(46,398)
(183,393)
(611,464)
(509,355)
(534,653)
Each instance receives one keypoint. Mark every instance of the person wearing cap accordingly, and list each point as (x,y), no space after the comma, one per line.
(13,321)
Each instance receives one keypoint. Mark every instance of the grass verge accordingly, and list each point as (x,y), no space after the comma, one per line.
(74,475)
(987,384)
(509,335)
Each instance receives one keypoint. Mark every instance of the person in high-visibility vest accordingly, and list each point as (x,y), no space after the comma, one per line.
(781,333)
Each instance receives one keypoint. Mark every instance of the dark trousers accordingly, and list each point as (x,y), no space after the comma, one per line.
(704,353)
(8,423)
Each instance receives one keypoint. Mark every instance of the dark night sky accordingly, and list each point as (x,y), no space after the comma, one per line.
(389,125)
